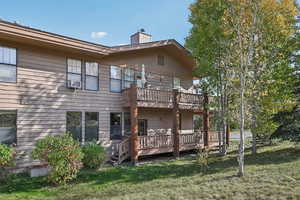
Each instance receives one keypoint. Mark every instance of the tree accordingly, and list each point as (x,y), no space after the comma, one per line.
(242,50)
(210,53)
(270,65)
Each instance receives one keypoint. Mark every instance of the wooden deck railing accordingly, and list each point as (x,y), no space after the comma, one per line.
(161,98)
(152,95)
(213,136)
(157,141)
(192,138)
(161,141)
(187,98)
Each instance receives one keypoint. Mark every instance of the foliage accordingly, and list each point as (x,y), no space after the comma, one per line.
(289,128)
(63,155)
(244,51)
(202,158)
(6,160)
(272,174)
(94,155)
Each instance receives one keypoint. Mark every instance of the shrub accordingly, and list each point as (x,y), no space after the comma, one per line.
(289,128)
(202,158)
(63,155)
(6,160)
(94,155)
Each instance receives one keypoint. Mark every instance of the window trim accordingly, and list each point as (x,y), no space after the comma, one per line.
(173,83)
(146,128)
(81,124)
(98,127)
(16,126)
(124,81)
(67,71)
(85,75)
(121,124)
(17,61)
(121,85)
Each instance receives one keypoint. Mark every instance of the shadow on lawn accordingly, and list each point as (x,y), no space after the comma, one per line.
(180,169)
(143,173)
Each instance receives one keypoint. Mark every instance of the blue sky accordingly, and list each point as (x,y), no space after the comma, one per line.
(108,22)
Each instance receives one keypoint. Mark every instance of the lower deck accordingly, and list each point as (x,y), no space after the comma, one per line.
(159,144)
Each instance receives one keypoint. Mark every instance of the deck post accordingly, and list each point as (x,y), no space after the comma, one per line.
(205,120)
(175,130)
(227,134)
(134,124)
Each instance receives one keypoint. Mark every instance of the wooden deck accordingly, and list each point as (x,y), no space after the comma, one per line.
(152,145)
(152,98)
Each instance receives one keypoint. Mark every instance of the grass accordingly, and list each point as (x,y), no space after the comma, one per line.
(274,173)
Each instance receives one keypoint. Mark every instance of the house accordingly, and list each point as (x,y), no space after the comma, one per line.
(126,96)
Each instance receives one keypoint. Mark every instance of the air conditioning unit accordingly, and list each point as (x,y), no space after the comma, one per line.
(74,84)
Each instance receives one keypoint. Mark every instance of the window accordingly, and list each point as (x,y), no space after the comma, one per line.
(127,123)
(91,76)
(128,78)
(8,127)
(143,126)
(8,64)
(91,126)
(160,60)
(115,126)
(115,79)
(74,70)
(197,122)
(176,83)
(74,125)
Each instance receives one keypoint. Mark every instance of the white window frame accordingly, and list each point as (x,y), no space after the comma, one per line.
(91,75)
(71,72)
(8,58)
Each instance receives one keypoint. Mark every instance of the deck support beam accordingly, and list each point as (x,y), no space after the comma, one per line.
(134,124)
(227,134)
(205,120)
(176,123)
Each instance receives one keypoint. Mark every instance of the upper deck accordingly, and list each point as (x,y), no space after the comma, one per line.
(154,98)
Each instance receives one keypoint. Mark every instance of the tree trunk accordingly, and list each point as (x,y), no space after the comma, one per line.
(224,121)
(242,127)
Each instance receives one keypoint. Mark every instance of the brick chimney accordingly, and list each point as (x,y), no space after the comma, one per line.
(140,37)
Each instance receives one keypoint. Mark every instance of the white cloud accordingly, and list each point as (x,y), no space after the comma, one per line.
(98,35)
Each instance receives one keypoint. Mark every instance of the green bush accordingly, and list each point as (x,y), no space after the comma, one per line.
(202,158)
(63,155)
(94,155)
(289,128)
(6,160)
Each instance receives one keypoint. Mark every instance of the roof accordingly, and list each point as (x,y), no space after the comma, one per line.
(25,34)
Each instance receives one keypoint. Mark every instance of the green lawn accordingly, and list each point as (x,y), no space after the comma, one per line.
(273,174)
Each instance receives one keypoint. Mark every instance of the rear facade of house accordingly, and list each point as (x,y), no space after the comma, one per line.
(51,84)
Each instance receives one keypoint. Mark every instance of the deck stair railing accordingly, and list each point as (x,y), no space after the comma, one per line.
(123,150)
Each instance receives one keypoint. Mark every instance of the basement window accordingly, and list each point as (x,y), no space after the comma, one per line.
(74,125)
(8,127)
(91,126)
(8,64)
